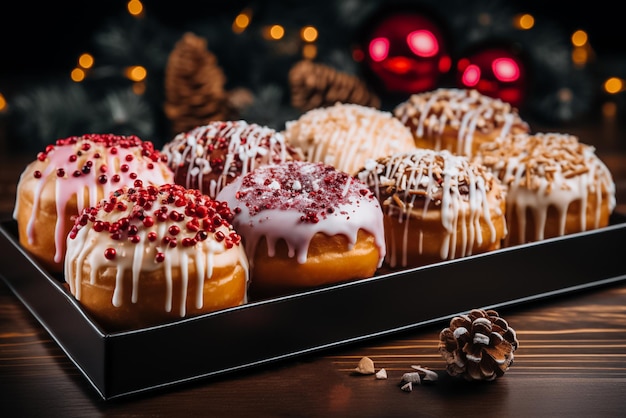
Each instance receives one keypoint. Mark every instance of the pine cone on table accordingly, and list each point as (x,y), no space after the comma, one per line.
(317,85)
(478,346)
(194,86)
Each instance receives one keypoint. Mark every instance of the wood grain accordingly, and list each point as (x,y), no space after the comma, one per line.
(571,362)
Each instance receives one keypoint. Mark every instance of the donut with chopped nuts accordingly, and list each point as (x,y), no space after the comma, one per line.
(150,255)
(458,120)
(346,134)
(209,157)
(304,225)
(437,206)
(556,185)
(74,173)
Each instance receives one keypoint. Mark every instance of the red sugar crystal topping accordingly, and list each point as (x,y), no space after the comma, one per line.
(314,189)
(111,141)
(193,217)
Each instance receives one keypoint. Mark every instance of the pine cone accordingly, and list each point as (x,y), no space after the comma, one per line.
(317,85)
(194,86)
(478,346)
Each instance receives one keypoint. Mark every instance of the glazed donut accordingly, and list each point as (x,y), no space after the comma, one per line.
(458,120)
(346,135)
(556,185)
(209,157)
(149,255)
(304,225)
(437,206)
(74,173)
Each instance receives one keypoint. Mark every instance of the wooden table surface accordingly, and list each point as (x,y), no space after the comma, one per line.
(571,362)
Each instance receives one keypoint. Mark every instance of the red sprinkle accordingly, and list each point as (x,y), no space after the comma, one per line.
(129,210)
(294,185)
(110,253)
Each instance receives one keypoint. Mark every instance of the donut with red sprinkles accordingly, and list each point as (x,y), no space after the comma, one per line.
(73,173)
(156,243)
(209,157)
(305,224)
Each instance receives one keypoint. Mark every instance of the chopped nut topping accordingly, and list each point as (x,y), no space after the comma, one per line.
(381,374)
(550,156)
(366,366)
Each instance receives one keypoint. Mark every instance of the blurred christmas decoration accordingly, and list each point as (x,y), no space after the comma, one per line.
(46,113)
(495,71)
(258,61)
(478,346)
(194,86)
(407,52)
(318,85)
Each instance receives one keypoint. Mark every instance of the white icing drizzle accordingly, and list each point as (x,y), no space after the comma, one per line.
(346,135)
(465,110)
(546,170)
(279,222)
(241,146)
(424,180)
(88,246)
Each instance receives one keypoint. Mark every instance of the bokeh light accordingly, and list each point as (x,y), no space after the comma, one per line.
(423,43)
(135,7)
(613,85)
(379,49)
(85,60)
(309,34)
(242,21)
(136,73)
(77,75)
(524,21)
(579,38)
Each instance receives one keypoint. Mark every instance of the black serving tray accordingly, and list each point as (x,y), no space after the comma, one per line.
(260,332)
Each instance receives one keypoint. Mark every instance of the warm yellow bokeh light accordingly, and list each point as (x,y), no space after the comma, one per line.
(524,21)
(242,21)
(139,88)
(308,34)
(309,51)
(3,103)
(78,75)
(276,32)
(85,61)
(579,38)
(580,56)
(613,85)
(134,7)
(136,73)
(609,110)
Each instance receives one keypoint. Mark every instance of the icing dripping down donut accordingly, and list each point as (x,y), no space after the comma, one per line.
(547,171)
(139,230)
(412,186)
(85,169)
(210,156)
(466,112)
(295,200)
(346,135)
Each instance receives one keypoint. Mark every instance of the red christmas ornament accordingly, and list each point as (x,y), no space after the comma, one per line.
(406,52)
(496,72)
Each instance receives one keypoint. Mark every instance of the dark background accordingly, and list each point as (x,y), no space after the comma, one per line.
(49,36)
